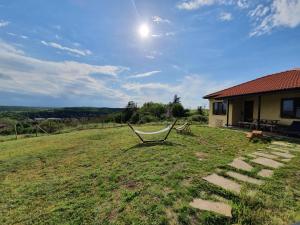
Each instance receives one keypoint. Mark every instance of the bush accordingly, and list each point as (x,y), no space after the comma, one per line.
(135,118)
(51,126)
(148,119)
(155,109)
(199,118)
(178,110)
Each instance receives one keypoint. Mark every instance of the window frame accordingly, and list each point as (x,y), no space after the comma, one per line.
(296,102)
(221,108)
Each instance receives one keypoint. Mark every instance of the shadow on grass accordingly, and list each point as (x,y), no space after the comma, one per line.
(151,144)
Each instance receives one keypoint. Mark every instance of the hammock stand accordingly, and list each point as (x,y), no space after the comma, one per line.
(139,133)
(185,128)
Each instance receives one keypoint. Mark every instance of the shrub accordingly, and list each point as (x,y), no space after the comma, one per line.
(51,126)
(199,118)
(135,118)
(148,119)
(178,110)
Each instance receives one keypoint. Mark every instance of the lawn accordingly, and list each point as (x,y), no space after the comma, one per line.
(104,176)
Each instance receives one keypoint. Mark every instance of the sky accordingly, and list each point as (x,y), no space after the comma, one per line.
(104,53)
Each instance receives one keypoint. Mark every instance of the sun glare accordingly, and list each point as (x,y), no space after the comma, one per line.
(144,30)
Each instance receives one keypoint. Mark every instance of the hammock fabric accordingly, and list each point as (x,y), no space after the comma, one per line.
(139,133)
(184,128)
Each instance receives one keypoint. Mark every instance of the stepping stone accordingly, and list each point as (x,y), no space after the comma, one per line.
(286,160)
(278,149)
(283,155)
(267,162)
(244,178)
(265,155)
(217,207)
(265,173)
(241,165)
(223,182)
(281,143)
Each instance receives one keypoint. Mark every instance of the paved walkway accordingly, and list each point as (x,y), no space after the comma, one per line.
(275,156)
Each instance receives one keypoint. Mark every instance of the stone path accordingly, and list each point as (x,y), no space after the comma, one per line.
(223,182)
(265,173)
(267,162)
(275,156)
(265,155)
(277,149)
(283,155)
(241,165)
(217,207)
(244,178)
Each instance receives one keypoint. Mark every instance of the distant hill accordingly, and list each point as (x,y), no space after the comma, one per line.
(21,112)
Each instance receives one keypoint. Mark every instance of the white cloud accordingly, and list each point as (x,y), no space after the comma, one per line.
(147,74)
(144,86)
(195,4)
(24,36)
(11,34)
(28,75)
(281,13)
(71,50)
(190,88)
(4,23)
(158,20)
(225,16)
(170,34)
(243,4)
(259,11)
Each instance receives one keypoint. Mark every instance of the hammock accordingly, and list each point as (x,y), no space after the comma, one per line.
(184,128)
(139,133)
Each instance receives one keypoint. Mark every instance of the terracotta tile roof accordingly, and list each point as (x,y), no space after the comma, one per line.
(275,82)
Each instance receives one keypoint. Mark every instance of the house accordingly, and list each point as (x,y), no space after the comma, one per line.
(274,97)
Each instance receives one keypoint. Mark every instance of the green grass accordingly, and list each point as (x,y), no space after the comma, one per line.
(103,176)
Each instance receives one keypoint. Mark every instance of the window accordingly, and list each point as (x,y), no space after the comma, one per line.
(290,108)
(219,108)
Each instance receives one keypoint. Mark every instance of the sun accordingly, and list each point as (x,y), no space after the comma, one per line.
(144,30)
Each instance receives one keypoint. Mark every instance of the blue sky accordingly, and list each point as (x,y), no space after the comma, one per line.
(90,52)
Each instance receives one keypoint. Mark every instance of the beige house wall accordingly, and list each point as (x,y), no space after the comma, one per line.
(270,109)
(215,120)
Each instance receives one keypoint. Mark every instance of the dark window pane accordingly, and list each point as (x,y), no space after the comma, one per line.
(288,105)
(298,112)
(219,108)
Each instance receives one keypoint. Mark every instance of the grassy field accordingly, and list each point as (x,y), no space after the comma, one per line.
(104,176)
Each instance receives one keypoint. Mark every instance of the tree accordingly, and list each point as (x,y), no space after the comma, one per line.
(176,99)
(178,110)
(200,110)
(154,109)
(129,110)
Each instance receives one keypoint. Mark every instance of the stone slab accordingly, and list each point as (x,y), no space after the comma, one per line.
(265,173)
(283,155)
(241,165)
(217,207)
(265,155)
(277,149)
(267,162)
(244,178)
(281,143)
(224,183)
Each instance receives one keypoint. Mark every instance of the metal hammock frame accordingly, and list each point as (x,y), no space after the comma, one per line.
(139,133)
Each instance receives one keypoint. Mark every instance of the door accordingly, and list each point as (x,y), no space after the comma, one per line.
(248,111)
